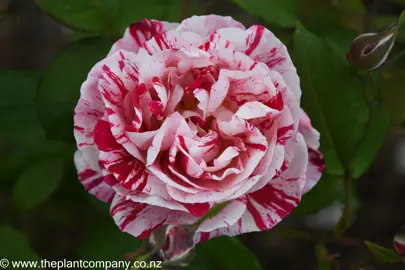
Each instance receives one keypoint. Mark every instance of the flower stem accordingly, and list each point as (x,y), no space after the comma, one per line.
(347,210)
(318,237)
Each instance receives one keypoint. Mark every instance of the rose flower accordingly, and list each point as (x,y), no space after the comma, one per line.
(181,119)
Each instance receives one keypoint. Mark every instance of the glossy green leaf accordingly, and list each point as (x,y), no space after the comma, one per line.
(329,189)
(224,253)
(15,246)
(59,90)
(333,97)
(374,136)
(383,254)
(281,13)
(331,27)
(37,182)
(87,15)
(106,242)
(111,16)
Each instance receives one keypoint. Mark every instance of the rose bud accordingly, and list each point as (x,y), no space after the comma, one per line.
(371,50)
(178,245)
(181,118)
(399,242)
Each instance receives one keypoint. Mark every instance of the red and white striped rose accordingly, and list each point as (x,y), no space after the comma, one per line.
(181,117)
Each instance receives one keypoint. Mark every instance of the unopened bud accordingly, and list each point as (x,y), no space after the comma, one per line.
(371,50)
(399,242)
(175,244)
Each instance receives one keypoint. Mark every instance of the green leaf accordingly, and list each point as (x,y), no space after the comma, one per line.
(130,11)
(11,164)
(393,96)
(59,90)
(383,254)
(331,26)
(353,6)
(15,245)
(37,182)
(111,16)
(324,262)
(21,126)
(87,15)
(281,13)
(226,253)
(18,87)
(106,242)
(333,97)
(374,136)
(100,206)
(329,189)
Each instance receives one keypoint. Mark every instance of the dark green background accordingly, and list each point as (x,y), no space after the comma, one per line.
(47,47)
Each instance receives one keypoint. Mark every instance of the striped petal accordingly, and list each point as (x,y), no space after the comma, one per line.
(136,34)
(140,219)
(92,180)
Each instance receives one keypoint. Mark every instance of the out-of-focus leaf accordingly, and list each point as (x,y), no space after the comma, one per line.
(21,129)
(333,97)
(374,136)
(107,243)
(225,253)
(15,246)
(312,13)
(37,182)
(393,96)
(113,16)
(20,125)
(329,189)
(60,89)
(324,262)
(173,9)
(73,36)
(19,122)
(87,15)
(353,6)
(383,254)
(400,2)
(18,87)
(11,164)
(281,13)
(102,207)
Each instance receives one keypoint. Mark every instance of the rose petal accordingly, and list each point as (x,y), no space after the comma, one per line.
(136,34)
(93,181)
(205,25)
(140,220)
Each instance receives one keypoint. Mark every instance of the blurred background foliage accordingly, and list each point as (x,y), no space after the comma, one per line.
(47,47)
